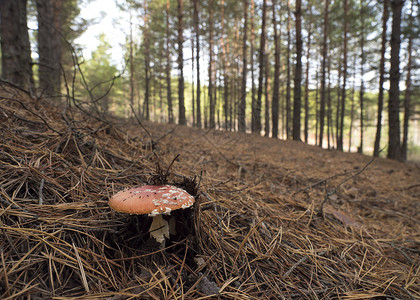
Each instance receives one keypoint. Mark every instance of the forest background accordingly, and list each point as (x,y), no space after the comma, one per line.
(338,74)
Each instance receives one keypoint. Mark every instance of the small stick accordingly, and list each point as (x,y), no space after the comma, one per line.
(41,186)
(299,262)
(82,270)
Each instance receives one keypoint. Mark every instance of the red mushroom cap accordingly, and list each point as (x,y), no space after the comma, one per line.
(151,199)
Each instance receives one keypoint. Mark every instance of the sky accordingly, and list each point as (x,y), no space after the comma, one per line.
(109,19)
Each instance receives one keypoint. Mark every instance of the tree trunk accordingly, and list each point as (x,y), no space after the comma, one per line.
(408,88)
(131,53)
(343,91)
(242,102)
(298,74)
(212,99)
(288,87)
(225,68)
(352,100)
(192,83)
(146,41)
(323,75)
(267,99)
(276,83)
(49,45)
(168,68)
(362,72)
(252,65)
(15,46)
(308,53)
(256,111)
(181,106)
(337,112)
(197,57)
(330,134)
(385,15)
(394,142)
(316,106)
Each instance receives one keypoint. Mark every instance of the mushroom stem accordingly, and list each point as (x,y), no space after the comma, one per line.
(159,229)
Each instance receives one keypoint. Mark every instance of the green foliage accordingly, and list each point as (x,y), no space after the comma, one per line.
(101,85)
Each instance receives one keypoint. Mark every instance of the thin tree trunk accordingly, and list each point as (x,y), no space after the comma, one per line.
(323,75)
(308,54)
(394,142)
(408,88)
(343,91)
(352,104)
(288,86)
(253,98)
(192,82)
(316,106)
(146,41)
(242,102)
(267,99)
(330,134)
(131,62)
(256,111)
(181,106)
(212,100)
(297,104)
(168,68)
(15,46)
(362,71)
(197,57)
(385,15)
(276,83)
(225,67)
(337,112)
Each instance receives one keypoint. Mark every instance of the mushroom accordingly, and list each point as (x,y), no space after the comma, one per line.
(153,200)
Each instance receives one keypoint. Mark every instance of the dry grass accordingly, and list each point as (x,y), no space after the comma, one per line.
(274,219)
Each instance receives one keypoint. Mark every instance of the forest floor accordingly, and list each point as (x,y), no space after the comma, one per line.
(273,219)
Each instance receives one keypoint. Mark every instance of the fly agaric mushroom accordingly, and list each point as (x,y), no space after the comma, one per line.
(153,200)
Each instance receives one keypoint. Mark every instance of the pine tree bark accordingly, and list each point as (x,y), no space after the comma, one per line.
(323,75)
(288,84)
(267,99)
(168,67)
(252,64)
(212,99)
(385,15)
(181,105)
(394,139)
(297,103)
(49,45)
(242,101)
(306,121)
(362,71)
(276,83)
(192,83)
(225,68)
(256,111)
(408,87)
(330,134)
(197,57)
(15,46)
(146,41)
(131,55)
(344,88)
(338,102)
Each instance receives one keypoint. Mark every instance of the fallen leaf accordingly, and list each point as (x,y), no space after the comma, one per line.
(342,216)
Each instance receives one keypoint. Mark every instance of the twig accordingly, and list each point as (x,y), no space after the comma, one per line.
(299,262)
(334,191)
(141,124)
(41,186)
